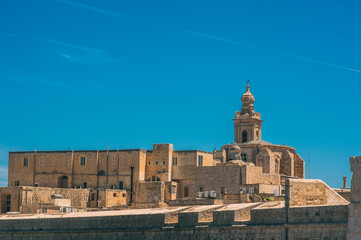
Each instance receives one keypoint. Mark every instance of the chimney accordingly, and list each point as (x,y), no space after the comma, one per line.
(344,182)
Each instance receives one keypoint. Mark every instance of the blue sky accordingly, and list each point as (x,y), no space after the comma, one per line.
(127,74)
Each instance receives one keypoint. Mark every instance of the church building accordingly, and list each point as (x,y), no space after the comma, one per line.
(247,166)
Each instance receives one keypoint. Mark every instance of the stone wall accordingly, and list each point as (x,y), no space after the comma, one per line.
(100,169)
(153,226)
(217,178)
(306,192)
(354,221)
(150,192)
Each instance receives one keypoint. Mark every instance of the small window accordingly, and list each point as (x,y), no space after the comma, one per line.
(36,185)
(244,157)
(201,189)
(223,190)
(26,162)
(158,179)
(251,191)
(114,161)
(114,194)
(17,183)
(200,161)
(156,162)
(175,161)
(92,197)
(68,161)
(101,162)
(186,192)
(174,189)
(121,185)
(163,162)
(149,163)
(82,161)
(85,185)
(257,135)
(123,194)
(42,161)
(53,161)
(153,178)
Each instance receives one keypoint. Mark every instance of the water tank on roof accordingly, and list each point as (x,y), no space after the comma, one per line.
(206,194)
(56,196)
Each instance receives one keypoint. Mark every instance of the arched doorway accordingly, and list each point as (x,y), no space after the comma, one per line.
(63,182)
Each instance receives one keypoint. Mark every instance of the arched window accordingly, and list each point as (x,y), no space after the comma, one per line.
(244,136)
(257,135)
(244,157)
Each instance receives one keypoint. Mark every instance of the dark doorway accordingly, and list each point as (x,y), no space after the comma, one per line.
(8,203)
(63,182)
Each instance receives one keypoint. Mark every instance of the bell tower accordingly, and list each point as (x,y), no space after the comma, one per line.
(247,122)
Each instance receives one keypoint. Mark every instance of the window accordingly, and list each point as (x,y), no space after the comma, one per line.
(114,194)
(201,189)
(244,136)
(123,195)
(120,184)
(158,179)
(82,161)
(153,178)
(174,188)
(42,161)
(156,162)
(92,197)
(251,191)
(68,161)
(200,161)
(85,185)
(26,162)
(175,161)
(257,135)
(244,157)
(149,163)
(186,192)
(53,161)
(163,162)
(17,183)
(101,161)
(114,160)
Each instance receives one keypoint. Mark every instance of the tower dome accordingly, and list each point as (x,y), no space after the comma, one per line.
(247,101)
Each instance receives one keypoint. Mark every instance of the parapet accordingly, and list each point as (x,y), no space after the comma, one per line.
(163,146)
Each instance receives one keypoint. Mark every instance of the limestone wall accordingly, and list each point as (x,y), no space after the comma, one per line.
(102,169)
(306,192)
(215,178)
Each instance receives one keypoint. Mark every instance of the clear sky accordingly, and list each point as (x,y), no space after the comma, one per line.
(127,74)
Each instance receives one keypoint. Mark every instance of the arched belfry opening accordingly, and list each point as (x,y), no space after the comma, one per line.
(244,136)
(63,182)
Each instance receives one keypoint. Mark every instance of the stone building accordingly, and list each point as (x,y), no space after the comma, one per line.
(248,165)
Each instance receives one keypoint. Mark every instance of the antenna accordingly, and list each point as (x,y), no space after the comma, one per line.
(309,166)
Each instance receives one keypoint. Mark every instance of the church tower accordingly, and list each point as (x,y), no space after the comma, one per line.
(247,122)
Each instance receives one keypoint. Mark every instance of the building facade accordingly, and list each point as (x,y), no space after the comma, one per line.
(249,161)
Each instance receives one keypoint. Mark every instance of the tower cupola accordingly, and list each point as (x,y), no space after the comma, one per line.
(247,122)
(247,101)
